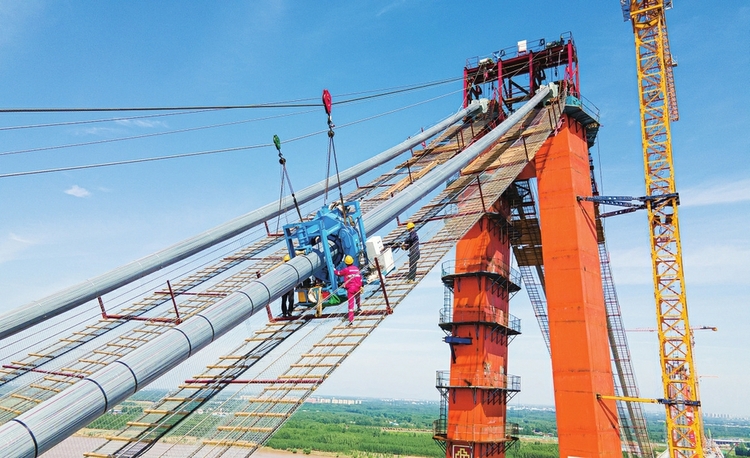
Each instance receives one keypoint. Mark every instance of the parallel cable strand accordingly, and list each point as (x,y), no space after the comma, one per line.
(216,107)
(208,152)
(154,134)
(93,121)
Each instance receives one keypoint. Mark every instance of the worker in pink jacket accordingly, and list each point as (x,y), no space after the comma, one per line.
(352,283)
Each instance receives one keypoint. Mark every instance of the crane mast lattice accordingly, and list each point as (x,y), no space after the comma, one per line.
(658,107)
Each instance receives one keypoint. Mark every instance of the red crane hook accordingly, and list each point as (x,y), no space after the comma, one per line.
(327,101)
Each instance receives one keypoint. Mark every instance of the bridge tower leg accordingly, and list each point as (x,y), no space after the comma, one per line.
(476,389)
(581,366)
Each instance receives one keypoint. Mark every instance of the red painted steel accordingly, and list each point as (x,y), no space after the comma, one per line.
(478,371)
(42,371)
(313,381)
(577,317)
(157,319)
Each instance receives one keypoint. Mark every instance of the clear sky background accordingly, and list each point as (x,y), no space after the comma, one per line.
(58,229)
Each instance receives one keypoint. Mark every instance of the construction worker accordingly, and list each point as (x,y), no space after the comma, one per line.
(287,300)
(352,284)
(411,244)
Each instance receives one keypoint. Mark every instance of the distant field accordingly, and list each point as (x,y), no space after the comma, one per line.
(394,428)
(377,428)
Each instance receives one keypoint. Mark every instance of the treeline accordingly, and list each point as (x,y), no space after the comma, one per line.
(534,422)
(307,434)
(374,413)
(524,449)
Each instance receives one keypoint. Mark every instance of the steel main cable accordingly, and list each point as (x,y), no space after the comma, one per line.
(88,314)
(218,107)
(216,151)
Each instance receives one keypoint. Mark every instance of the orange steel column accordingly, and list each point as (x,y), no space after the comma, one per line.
(581,366)
(478,382)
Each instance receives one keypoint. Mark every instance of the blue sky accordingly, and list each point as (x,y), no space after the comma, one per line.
(58,229)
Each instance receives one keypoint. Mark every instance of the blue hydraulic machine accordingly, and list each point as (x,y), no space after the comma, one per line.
(337,231)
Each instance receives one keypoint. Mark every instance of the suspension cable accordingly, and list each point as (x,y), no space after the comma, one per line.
(93,121)
(217,151)
(217,107)
(155,134)
(133,161)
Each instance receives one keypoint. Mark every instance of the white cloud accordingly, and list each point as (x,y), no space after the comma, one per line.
(18,238)
(703,264)
(716,264)
(12,246)
(716,193)
(16,18)
(389,7)
(96,131)
(77,191)
(141,123)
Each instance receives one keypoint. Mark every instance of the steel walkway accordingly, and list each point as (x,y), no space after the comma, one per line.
(257,419)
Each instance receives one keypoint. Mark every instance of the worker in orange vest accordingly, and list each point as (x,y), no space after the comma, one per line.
(352,284)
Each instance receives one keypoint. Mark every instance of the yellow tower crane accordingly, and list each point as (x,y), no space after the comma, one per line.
(658,106)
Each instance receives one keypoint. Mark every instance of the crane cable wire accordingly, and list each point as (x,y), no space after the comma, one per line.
(215,151)
(284,175)
(94,121)
(327,103)
(291,104)
(154,134)
(127,118)
(135,137)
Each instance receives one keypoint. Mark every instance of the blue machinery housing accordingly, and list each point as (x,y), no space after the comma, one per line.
(343,232)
